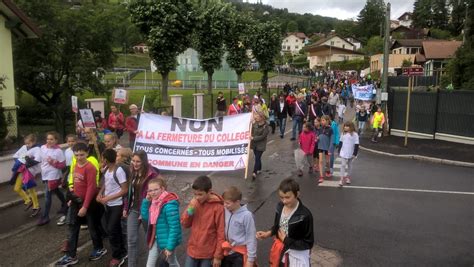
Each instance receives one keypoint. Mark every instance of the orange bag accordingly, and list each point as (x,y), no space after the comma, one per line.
(275,252)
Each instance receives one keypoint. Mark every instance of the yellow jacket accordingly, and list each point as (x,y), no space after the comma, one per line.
(93,161)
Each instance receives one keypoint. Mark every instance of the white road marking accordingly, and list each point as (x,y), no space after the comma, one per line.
(26,228)
(336,184)
(271,141)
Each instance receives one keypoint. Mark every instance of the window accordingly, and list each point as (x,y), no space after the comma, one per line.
(296,47)
(332,42)
(343,46)
(296,40)
(286,41)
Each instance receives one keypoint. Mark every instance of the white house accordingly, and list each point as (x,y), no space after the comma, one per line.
(356,42)
(331,49)
(293,42)
(406,19)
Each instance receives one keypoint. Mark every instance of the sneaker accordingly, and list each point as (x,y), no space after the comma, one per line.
(67,261)
(341,182)
(43,221)
(348,180)
(328,174)
(61,221)
(84,227)
(300,173)
(117,262)
(35,212)
(97,254)
(310,170)
(28,205)
(254,176)
(293,139)
(321,179)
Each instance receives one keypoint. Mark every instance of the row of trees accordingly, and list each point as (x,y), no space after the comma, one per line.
(213,28)
(446,15)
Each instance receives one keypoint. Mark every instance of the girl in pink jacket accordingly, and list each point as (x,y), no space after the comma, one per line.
(307,142)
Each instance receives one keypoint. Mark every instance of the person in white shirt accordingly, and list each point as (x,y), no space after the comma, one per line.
(341,109)
(110,195)
(52,163)
(24,171)
(348,149)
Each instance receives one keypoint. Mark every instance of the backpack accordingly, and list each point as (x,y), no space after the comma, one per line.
(125,168)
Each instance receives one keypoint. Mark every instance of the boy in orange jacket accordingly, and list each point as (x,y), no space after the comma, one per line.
(205,216)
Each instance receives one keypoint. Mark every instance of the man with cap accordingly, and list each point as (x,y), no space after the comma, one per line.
(131,124)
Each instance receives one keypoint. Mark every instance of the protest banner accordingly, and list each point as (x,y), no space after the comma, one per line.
(217,144)
(363,92)
(75,107)
(120,96)
(241,88)
(87,118)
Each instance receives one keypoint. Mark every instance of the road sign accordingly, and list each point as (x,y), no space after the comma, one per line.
(412,71)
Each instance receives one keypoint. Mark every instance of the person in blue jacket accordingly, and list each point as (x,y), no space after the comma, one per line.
(335,141)
(161,210)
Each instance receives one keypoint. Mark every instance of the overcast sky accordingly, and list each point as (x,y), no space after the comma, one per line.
(341,9)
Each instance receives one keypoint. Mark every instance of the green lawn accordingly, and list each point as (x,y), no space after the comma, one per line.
(247,76)
(133,61)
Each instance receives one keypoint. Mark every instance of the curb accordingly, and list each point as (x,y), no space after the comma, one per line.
(422,158)
(18,201)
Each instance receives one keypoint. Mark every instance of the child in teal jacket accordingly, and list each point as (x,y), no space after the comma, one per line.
(161,210)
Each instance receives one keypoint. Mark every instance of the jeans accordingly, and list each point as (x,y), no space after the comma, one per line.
(113,216)
(258,161)
(48,200)
(297,125)
(282,122)
(133,227)
(233,260)
(93,219)
(345,162)
(191,262)
(361,127)
(153,255)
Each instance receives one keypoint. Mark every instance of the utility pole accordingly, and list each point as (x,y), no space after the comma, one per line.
(386,56)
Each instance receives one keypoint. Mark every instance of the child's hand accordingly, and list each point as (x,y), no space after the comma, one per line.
(193,203)
(262,235)
(216,262)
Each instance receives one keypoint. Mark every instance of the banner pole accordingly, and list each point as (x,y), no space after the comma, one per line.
(248,148)
(143,104)
(138,122)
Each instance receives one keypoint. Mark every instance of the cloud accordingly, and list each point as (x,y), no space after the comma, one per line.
(341,9)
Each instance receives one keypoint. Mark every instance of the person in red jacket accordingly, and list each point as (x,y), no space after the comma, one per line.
(205,217)
(116,121)
(131,124)
(83,207)
(307,142)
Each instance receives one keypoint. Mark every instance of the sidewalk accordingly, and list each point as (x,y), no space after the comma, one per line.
(423,147)
(8,198)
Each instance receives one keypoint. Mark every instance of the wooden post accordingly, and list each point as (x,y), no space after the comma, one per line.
(410,87)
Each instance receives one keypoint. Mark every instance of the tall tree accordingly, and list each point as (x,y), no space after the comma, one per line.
(75,43)
(458,15)
(292,26)
(266,45)
(374,46)
(211,29)
(422,14)
(371,19)
(462,69)
(167,26)
(440,14)
(237,41)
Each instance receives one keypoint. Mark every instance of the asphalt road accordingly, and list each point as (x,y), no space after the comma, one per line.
(397,212)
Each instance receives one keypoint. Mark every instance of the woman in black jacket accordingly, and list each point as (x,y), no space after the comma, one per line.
(293,227)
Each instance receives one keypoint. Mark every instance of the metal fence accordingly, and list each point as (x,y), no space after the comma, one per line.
(446,112)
